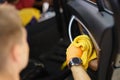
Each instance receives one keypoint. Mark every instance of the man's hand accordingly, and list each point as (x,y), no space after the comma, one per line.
(73,51)
(81,47)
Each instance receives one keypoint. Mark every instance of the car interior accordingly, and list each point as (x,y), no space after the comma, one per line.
(49,39)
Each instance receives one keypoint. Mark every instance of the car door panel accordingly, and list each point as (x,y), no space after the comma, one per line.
(100,25)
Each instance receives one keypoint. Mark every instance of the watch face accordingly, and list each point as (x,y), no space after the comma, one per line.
(75,61)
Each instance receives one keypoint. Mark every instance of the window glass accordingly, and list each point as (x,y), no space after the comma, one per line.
(107,5)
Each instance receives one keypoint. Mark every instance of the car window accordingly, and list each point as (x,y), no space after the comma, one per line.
(107,5)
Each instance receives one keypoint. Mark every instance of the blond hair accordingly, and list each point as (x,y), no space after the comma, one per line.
(10,29)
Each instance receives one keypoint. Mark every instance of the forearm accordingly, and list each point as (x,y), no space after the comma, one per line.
(79,73)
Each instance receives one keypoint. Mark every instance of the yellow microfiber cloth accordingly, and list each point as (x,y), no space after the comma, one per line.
(88,51)
(27,14)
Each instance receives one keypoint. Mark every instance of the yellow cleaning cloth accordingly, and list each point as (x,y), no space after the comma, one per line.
(85,44)
(27,14)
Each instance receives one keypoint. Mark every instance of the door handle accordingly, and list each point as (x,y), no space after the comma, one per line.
(97,48)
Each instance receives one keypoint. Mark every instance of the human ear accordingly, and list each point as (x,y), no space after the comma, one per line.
(15,53)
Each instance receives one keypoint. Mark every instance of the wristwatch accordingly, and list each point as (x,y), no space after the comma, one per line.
(75,62)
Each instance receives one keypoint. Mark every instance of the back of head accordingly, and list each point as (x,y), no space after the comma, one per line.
(10,30)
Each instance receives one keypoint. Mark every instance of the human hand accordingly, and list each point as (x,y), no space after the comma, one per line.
(81,47)
(73,51)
